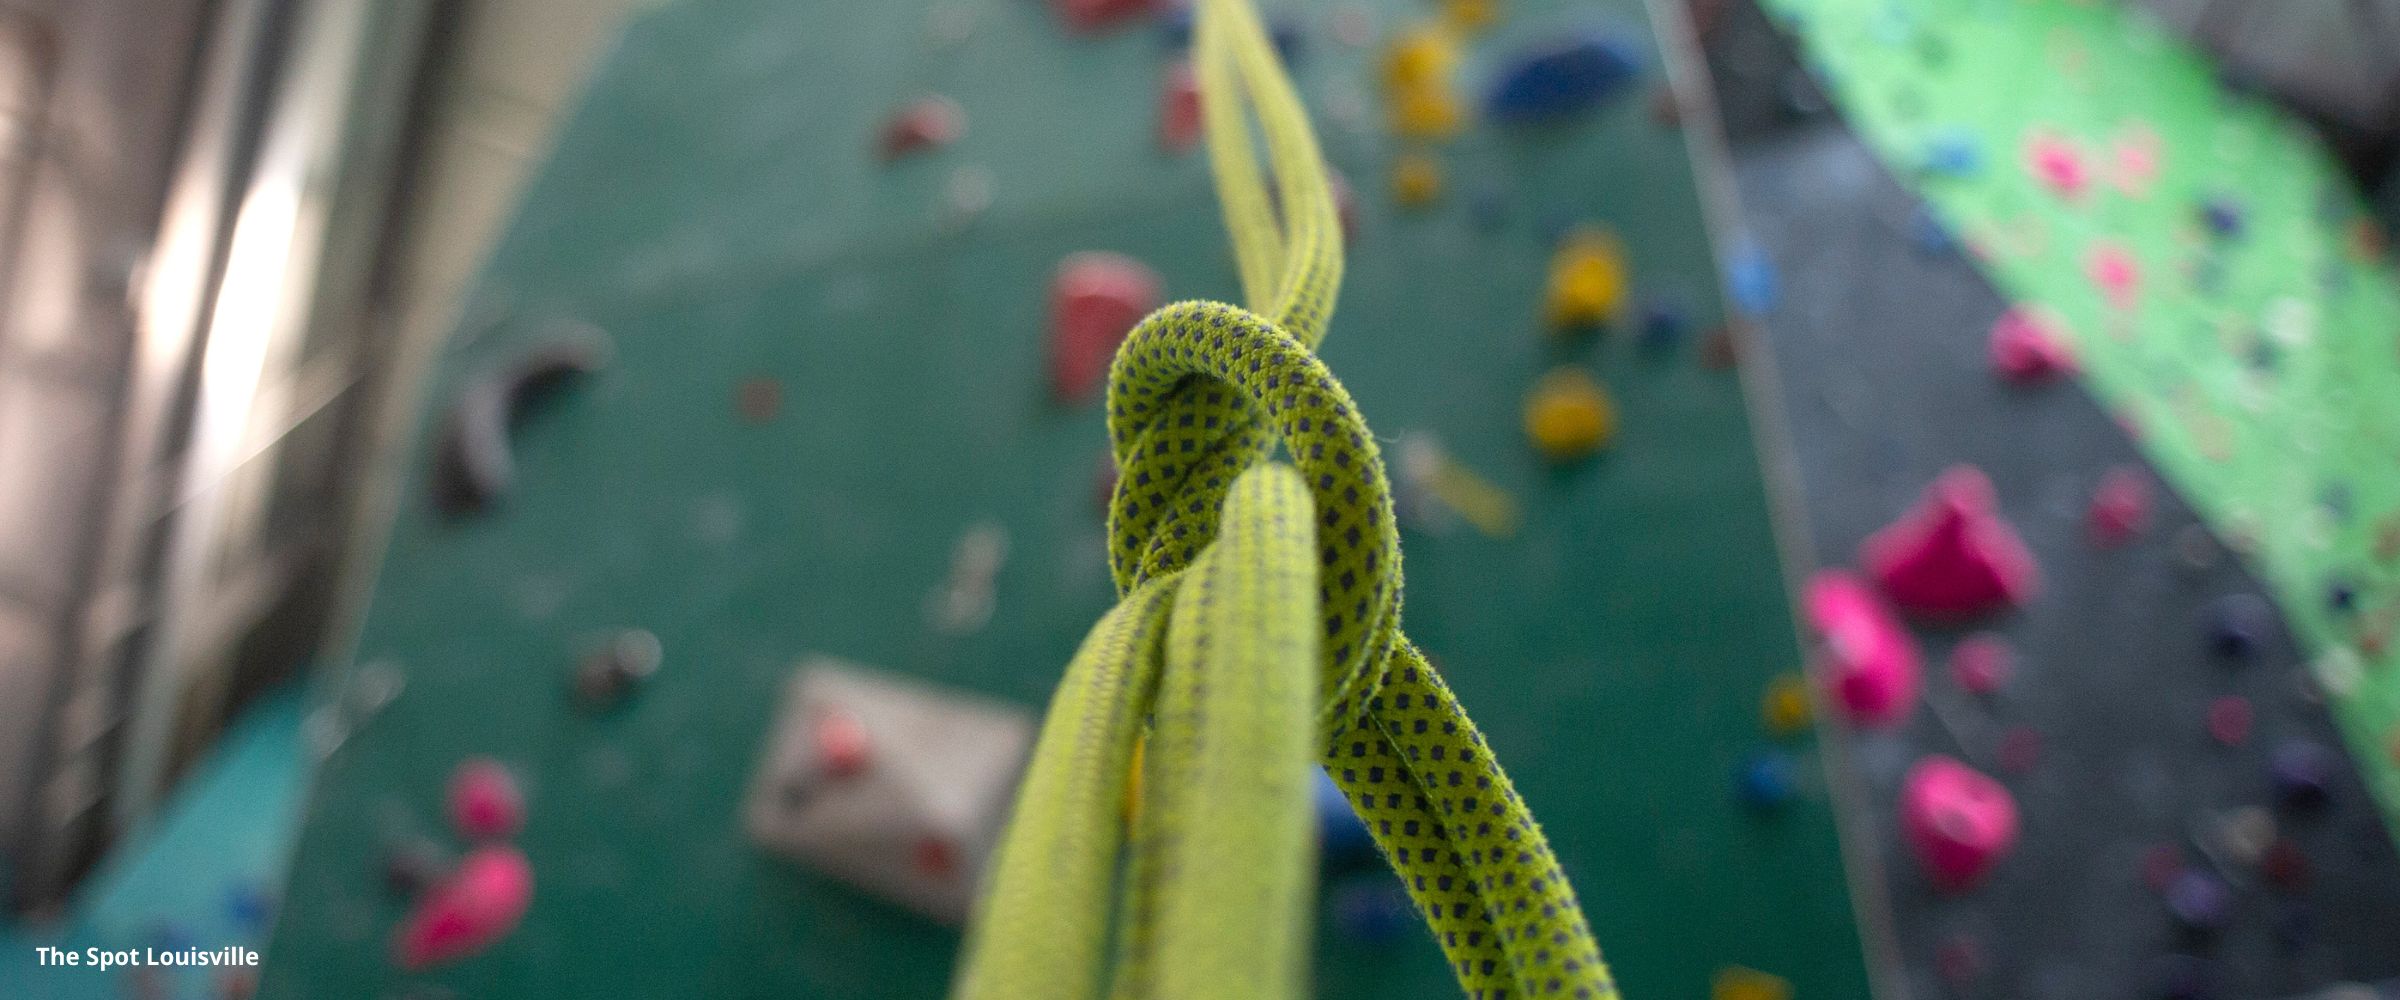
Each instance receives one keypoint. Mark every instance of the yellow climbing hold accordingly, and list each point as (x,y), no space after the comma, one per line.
(1419,85)
(1471,15)
(1569,415)
(1416,179)
(1736,983)
(1587,280)
(1784,708)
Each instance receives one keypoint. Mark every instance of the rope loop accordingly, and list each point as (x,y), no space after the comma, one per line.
(1201,391)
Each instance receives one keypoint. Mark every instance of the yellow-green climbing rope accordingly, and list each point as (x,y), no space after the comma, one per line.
(1260,627)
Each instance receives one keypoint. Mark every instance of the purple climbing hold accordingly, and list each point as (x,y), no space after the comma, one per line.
(2302,772)
(2199,901)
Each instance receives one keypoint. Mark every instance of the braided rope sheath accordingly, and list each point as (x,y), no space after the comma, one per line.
(1214,646)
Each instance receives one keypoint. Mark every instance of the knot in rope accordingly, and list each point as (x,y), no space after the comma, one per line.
(1201,391)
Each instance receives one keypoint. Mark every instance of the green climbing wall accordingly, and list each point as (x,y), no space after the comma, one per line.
(2219,279)
(716,206)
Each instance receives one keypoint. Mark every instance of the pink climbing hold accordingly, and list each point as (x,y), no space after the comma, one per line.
(1980,663)
(2026,347)
(2121,506)
(2058,164)
(1959,822)
(2118,274)
(485,803)
(1871,667)
(1179,109)
(1095,301)
(1953,556)
(479,904)
(1100,15)
(925,123)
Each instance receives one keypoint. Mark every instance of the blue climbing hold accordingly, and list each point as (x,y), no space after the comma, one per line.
(1372,909)
(1663,324)
(1175,32)
(2223,216)
(247,906)
(2302,772)
(1341,836)
(1926,229)
(1751,278)
(1768,779)
(2238,624)
(1563,77)
(1953,154)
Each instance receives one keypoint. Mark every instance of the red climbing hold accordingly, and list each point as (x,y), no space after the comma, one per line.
(2026,347)
(471,910)
(1959,822)
(1953,556)
(1871,667)
(2121,507)
(1100,15)
(1094,302)
(925,123)
(485,803)
(843,747)
(1179,109)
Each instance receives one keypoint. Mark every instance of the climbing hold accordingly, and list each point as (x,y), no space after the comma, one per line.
(474,465)
(918,825)
(2117,272)
(1562,77)
(2302,772)
(1568,414)
(1733,982)
(1952,154)
(469,911)
(1663,324)
(1416,179)
(2199,901)
(1179,109)
(1090,16)
(2057,163)
(608,673)
(2019,750)
(1341,836)
(1095,300)
(923,124)
(757,399)
(1750,279)
(1784,709)
(2229,720)
(1721,349)
(485,803)
(2244,834)
(1980,663)
(1926,230)
(1871,668)
(1470,15)
(842,745)
(2237,624)
(2341,596)
(1587,280)
(2121,506)
(1418,87)
(1371,909)
(1767,780)
(413,865)
(1959,822)
(2026,346)
(2223,217)
(2284,865)
(1952,556)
